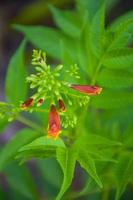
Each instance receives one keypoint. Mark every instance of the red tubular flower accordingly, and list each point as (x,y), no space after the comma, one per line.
(27,103)
(61,105)
(86,89)
(40,102)
(54,128)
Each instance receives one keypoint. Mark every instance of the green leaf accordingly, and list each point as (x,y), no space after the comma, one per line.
(21,138)
(67,161)
(121,19)
(97,31)
(112,100)
(19,178)
(67,21)
(43,142)
(128,137)
(94,139)
(123,173)
(16,77)
(47,39)
(121,35)
(41,147)
(90,7)
(114,78)
(88,164)
(117,59)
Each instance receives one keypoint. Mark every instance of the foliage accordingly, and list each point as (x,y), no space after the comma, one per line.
(98,135)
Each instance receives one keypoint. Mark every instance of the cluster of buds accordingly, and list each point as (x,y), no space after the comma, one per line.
(29,102)
(46,80)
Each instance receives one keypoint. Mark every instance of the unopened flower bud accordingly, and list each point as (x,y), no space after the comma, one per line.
(61,105)
(27,103)
(40,102)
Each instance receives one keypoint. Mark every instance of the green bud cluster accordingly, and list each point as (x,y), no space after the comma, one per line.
(73,71)
(68,119)
(46,78)
(84,100)
(8,110)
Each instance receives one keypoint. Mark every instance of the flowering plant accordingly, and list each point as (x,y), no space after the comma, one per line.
(79,111)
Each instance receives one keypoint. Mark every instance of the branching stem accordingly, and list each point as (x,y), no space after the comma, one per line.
(29,123)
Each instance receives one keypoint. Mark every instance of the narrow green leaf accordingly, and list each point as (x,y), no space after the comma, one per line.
(67,161)
(41,147)
(112,100)
(114,78)
(94,139)
(97,31)
(23,156)
(121,35)
(120,58)
(47,39)
(67,21)
(88,164)
(123,173)
(128,136)
(90,7)
(43,142)
(21,138)
(16,77)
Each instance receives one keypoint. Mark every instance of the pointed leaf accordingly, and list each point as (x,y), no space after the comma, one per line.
(112,100)
(94,139)
(88,164)
(90,7)
(121,19)
(97,31)
(47,39)
(67,161)
(114,78)
(117,59)
(41,147)
(123,173)
(121,35)
(67,21)
(16,77)
(43,142)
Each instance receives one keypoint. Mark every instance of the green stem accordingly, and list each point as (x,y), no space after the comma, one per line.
(29,123)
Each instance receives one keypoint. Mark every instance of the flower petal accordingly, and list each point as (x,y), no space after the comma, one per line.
(40,102)
(61,105)
(27,103)
(54,127)
(87,89)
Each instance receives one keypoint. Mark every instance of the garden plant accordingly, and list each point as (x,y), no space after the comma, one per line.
(73,93)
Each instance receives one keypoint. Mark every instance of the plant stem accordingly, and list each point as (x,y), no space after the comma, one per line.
(29,123)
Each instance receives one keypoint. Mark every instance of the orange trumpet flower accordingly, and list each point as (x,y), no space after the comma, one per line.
(54,127)
(86,89)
